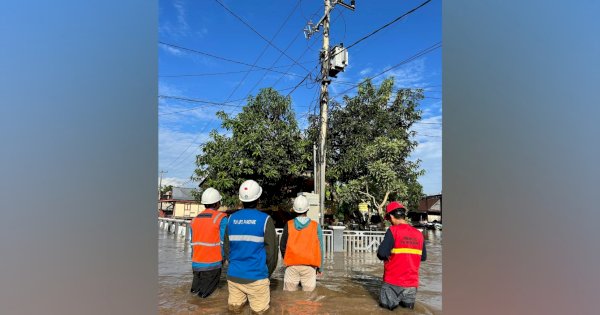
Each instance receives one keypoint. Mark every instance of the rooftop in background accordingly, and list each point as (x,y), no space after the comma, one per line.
(180,193)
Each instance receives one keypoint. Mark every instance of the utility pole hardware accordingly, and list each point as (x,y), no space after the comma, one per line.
(328,68)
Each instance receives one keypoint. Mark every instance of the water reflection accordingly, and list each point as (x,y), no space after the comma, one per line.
(350,284)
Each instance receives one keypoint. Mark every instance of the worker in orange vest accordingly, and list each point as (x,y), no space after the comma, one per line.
(402,251)
(208,230)
(301,249)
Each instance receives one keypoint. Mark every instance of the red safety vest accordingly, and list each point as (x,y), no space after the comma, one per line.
(206,239)
(402,268)
(302,246)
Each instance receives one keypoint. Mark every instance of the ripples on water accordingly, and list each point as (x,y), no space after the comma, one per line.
(350,284)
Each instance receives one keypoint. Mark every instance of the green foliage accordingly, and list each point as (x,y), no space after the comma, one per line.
(262,143)
(165,189)
(369,144)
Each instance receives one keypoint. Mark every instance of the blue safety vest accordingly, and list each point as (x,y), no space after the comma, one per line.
(247,255)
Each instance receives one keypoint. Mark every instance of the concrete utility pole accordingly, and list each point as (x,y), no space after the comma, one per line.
(315,174)
(324,99)
(159,187)
(324,95)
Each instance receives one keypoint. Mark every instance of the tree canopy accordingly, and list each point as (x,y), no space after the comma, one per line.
(369,145)
(263,143)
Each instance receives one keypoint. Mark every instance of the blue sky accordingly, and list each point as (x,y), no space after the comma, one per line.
(207,27)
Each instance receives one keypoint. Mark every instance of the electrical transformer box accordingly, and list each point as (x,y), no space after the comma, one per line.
(313,205)
(338,60)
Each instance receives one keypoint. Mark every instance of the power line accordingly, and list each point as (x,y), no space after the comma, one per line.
(279,57)
(265,49)
(232,72)
(186,99)
(251,66)
(365,37)
(304,52)
(260,35)
(405,61)
(295,61)
(222,58)
(389,23)
(207,103)
(382,27)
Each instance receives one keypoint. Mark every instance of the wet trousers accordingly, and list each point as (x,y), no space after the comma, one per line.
(303,275)
(205,282)
(257,293)
(392,296)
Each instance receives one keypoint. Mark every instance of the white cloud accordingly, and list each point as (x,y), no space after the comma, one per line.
(172,50)
(183,113)
(168,89)
(176,182)
(202,32)
(429,151)
(181,14)
(179,27)
(365,71)
(177,151)
(408,75)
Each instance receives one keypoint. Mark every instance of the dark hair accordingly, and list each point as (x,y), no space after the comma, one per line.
(212,205)
(250,204)
(398,213)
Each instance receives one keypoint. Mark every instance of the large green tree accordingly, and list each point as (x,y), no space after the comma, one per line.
(369,146)
(263,143)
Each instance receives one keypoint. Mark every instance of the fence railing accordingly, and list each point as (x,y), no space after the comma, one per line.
(177,226)
(327,239)
(353,241)
(362,241)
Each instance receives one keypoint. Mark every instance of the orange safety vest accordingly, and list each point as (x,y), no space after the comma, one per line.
(302,246)
(206,240)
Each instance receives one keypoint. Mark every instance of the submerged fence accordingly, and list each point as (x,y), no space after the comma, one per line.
(350,241)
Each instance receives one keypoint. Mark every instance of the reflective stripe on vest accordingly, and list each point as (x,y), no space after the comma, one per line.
(205,244)
(247,238)
(402,268)
(407,251)
(217,217)
(206,237)
(247,255)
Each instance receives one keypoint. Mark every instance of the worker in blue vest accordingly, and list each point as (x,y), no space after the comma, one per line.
(252,250)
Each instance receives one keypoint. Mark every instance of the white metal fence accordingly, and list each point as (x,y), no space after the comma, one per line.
(177,226)
(327,239)
(353,241)
(362,241)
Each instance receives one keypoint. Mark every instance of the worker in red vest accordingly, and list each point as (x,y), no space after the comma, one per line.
(301,249)
(208,230)
(402,251)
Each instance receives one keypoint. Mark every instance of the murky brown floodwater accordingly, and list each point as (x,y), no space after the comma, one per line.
(350,284)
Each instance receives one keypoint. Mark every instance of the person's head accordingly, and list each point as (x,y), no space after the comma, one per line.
(211,198)
(249,193)
(395,212)
(301,206)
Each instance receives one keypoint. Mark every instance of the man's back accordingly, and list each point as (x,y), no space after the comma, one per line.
(207,234)
(402,268)
(247,255)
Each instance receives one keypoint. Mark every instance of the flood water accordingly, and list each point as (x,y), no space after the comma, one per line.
(350,284)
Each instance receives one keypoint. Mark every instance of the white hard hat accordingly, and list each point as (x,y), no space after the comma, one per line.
(250,191)
(210,196)
(300,204)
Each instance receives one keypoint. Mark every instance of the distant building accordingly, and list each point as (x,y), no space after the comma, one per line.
(432,205)
(181,204)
